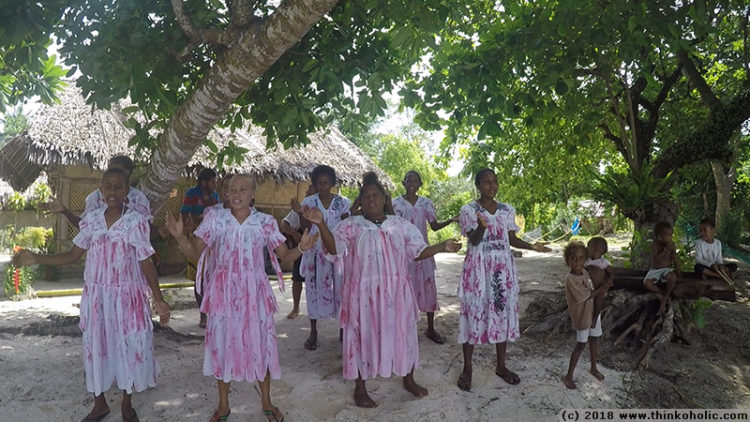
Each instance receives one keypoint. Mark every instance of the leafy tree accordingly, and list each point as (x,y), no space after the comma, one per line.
(290,67)
(14,122)
(549,87)
(26,70)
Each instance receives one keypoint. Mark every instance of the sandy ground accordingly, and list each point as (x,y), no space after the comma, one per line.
(43,380)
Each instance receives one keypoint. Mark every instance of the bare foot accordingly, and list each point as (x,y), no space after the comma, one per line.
(362,399)
(293,314)
(415,389)
(569,383)
(597,374)
(464,381)
(130,416)
(96,415)
(508,376)
(312,342)
(434,336)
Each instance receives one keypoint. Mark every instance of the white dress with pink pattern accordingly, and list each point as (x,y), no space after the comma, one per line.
(421,273)
(378,311)
(240,342)
(115,312)
(489,282)
(322,279)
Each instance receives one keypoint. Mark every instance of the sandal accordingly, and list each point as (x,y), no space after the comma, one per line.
(217,418)
(273,415)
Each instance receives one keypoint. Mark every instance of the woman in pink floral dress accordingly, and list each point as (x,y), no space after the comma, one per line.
(115,313)
(240,334)
(420,211)
(378,311)
(489,283)
(322,279)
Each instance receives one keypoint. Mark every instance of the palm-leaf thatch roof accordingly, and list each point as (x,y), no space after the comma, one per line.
(71,133)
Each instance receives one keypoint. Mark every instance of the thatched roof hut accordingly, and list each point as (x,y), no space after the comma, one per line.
(72,134)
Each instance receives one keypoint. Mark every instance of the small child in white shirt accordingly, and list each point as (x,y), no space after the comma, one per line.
(599,270)
(708,257)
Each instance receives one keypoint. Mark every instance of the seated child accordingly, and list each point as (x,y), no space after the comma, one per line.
(580,293)
(708,259)
(599,269)
(665,269)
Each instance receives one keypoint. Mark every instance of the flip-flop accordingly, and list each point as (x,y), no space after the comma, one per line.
(311,345)
(510,377)
(437,338)
(95,418)
(217,418)
(271,415)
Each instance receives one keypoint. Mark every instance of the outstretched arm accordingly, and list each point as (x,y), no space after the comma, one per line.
(314,215)
(56,206)
(450,245)
(191,250)
(522,244)
(25,257)
(149,271)
(291,254)
(437,225)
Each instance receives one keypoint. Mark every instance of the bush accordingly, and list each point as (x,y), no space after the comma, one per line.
(15,202)
(17,281)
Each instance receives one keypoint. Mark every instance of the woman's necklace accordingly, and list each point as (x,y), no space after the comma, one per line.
(377,220)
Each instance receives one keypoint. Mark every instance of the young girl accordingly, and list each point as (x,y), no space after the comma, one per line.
(419,211)
(489,283)
(599,269)
(240,334)
(291,226)
(115,312)
(580,294)
(378,312)
(322,280)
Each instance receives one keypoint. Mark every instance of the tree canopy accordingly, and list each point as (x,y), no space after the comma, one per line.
(661,83)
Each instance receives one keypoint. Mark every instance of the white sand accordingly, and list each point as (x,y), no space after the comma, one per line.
(43,380)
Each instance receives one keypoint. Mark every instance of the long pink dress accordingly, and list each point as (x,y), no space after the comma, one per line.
(240,339)
(421,273)
(378,313)
(489,282)
(322,279)
(115,313)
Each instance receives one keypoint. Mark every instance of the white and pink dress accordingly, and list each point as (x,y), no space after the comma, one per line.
(379,313)
(322,279)
(115,312)
(489,283)
(240,342)
(421,273)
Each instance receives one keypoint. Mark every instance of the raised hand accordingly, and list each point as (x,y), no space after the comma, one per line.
(175,226)
(307,241)
(312,214)
(541,247)
(452,245)
(295,206)
(24,258)
(54,205)
(163,310)
(482,220)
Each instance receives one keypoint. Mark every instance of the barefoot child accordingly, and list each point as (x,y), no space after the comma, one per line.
(489,284)
(378,311)
(708,257)
(580,294)
(662,277)
(420,211)
(240,339)
(115,312)
(599,269)
(322,279)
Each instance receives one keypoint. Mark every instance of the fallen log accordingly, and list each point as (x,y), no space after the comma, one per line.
(690,286)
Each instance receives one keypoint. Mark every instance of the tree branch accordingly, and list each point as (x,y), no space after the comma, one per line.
(241,13)
(201,35)
(691,72)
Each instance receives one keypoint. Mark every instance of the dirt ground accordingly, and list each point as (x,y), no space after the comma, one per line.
(42,372)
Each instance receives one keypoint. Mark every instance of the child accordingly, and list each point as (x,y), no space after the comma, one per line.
(599,269)
(378,312)
(240,333)
(322,279)
(419,211)
(662,278)
(291,226)
(115,312)
(708,258)
(580,294)
(489,284)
